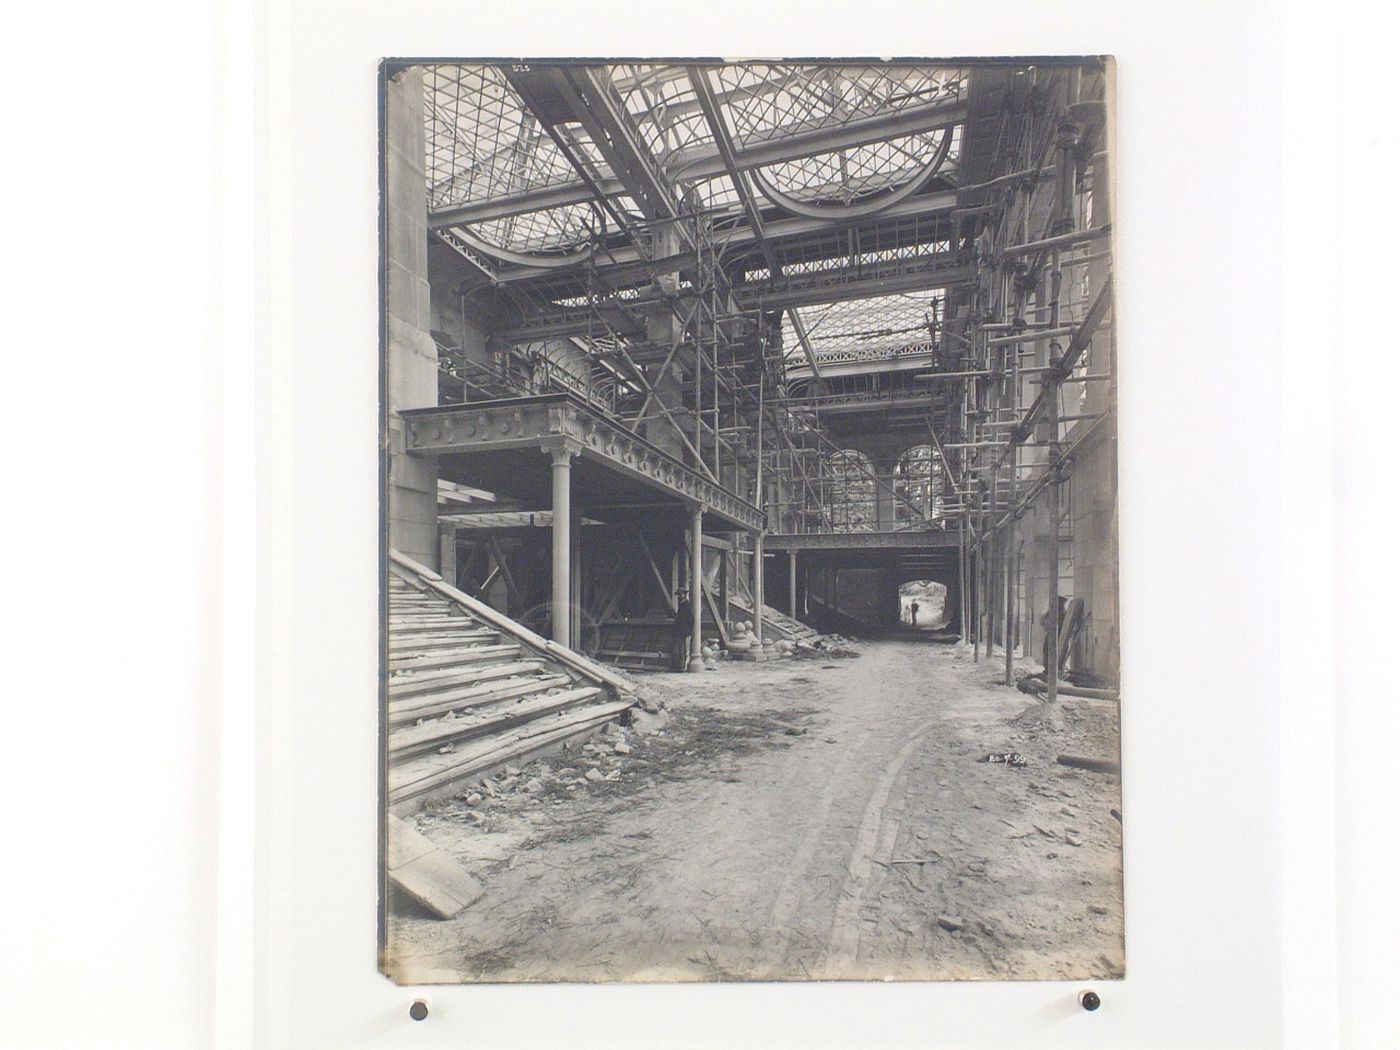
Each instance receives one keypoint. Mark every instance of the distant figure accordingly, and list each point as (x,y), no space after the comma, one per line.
(680,631)
(913,614)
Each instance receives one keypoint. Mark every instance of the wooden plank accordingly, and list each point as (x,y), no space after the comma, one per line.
(714,612)
(667,595)
(419,660)
(465,699)
(465,660)
(490,579)
(615,587)
(436,629)
(1097,765)
(435,641)
(429,687)
(1074,623)
(427,874)
(413,740)
(512,591)
(422,775)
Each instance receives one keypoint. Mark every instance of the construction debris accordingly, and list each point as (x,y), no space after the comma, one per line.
(1035,685)
(1097,765)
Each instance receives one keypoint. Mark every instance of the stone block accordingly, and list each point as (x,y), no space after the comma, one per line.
(403,293)
(413,507)
(423,316)
(402,244)
(418,539)
(396,438)
(413,371)
(418,473)
(411,542)
(412,387)
(420,246)
(403,106)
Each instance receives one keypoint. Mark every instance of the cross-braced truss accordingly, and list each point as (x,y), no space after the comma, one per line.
(882,328)
(794,248)
(809,134)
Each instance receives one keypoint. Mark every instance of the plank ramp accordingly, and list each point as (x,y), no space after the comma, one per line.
(775,624)
(471,691)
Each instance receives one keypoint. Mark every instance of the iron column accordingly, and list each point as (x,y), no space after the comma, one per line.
(560,460)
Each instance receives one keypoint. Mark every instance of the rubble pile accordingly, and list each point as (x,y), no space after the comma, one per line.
(742,638)
(553,780)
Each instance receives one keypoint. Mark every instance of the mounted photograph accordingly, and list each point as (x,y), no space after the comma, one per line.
(749,521)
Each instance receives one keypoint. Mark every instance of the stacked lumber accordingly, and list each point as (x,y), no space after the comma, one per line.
(641,643)
(470,691)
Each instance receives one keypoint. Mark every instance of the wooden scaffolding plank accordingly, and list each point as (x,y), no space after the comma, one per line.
(427,874)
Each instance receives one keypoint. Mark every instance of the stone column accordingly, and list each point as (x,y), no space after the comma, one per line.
(697,583)
(412,355)
(792,584)
(559,598)
(576,583)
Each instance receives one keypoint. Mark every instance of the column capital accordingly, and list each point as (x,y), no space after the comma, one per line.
(561,453)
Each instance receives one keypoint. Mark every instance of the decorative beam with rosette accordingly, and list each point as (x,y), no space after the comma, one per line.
(563,421)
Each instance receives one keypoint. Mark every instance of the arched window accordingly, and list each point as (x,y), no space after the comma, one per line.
(850,491)
(918,486)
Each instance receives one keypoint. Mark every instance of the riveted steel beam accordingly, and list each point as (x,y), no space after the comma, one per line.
(702,162)
(776,233)
(921,273)
(910,540)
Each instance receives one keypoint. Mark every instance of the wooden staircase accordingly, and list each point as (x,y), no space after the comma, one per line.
(471,691)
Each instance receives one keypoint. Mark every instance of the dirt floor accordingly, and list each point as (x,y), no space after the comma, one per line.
(807,818)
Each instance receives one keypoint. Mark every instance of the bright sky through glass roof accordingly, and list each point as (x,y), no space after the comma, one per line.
(482,142)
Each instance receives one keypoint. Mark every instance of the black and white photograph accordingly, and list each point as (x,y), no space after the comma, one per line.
(716,525)
(750,590)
